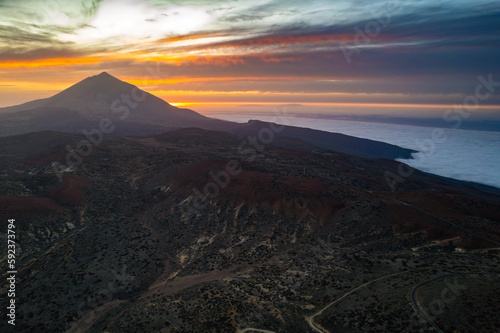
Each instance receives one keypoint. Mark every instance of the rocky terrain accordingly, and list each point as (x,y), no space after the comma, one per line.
(198,231)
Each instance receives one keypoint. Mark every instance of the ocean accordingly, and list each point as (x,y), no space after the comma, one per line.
(468,155)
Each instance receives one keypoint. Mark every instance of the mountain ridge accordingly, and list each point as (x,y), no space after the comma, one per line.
(96,97)
(134,111)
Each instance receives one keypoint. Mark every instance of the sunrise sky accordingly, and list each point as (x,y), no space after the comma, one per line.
(226,55)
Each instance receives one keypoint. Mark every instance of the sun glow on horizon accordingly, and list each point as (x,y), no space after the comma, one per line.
(209,54)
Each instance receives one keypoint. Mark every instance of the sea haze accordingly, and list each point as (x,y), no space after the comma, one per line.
(467,155)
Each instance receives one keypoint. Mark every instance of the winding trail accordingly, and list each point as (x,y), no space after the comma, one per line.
(310,319)
(251,329)
(414,293)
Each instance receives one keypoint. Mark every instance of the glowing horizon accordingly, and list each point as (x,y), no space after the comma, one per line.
(268,52)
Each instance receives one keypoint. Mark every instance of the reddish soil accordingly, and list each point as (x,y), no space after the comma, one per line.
(296,197)
(415,221)
(19,207)
(70,191)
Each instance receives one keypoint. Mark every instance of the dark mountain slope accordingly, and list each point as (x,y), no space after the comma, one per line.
(181,232)
(132,111)
(334,141)
(83,105)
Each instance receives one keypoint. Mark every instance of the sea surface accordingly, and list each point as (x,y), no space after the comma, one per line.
(456,153)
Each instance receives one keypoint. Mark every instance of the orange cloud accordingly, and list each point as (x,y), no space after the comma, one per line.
(49,62)
(198,60)
(34,86)
(176,80)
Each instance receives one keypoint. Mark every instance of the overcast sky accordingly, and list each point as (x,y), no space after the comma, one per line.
(317,52)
